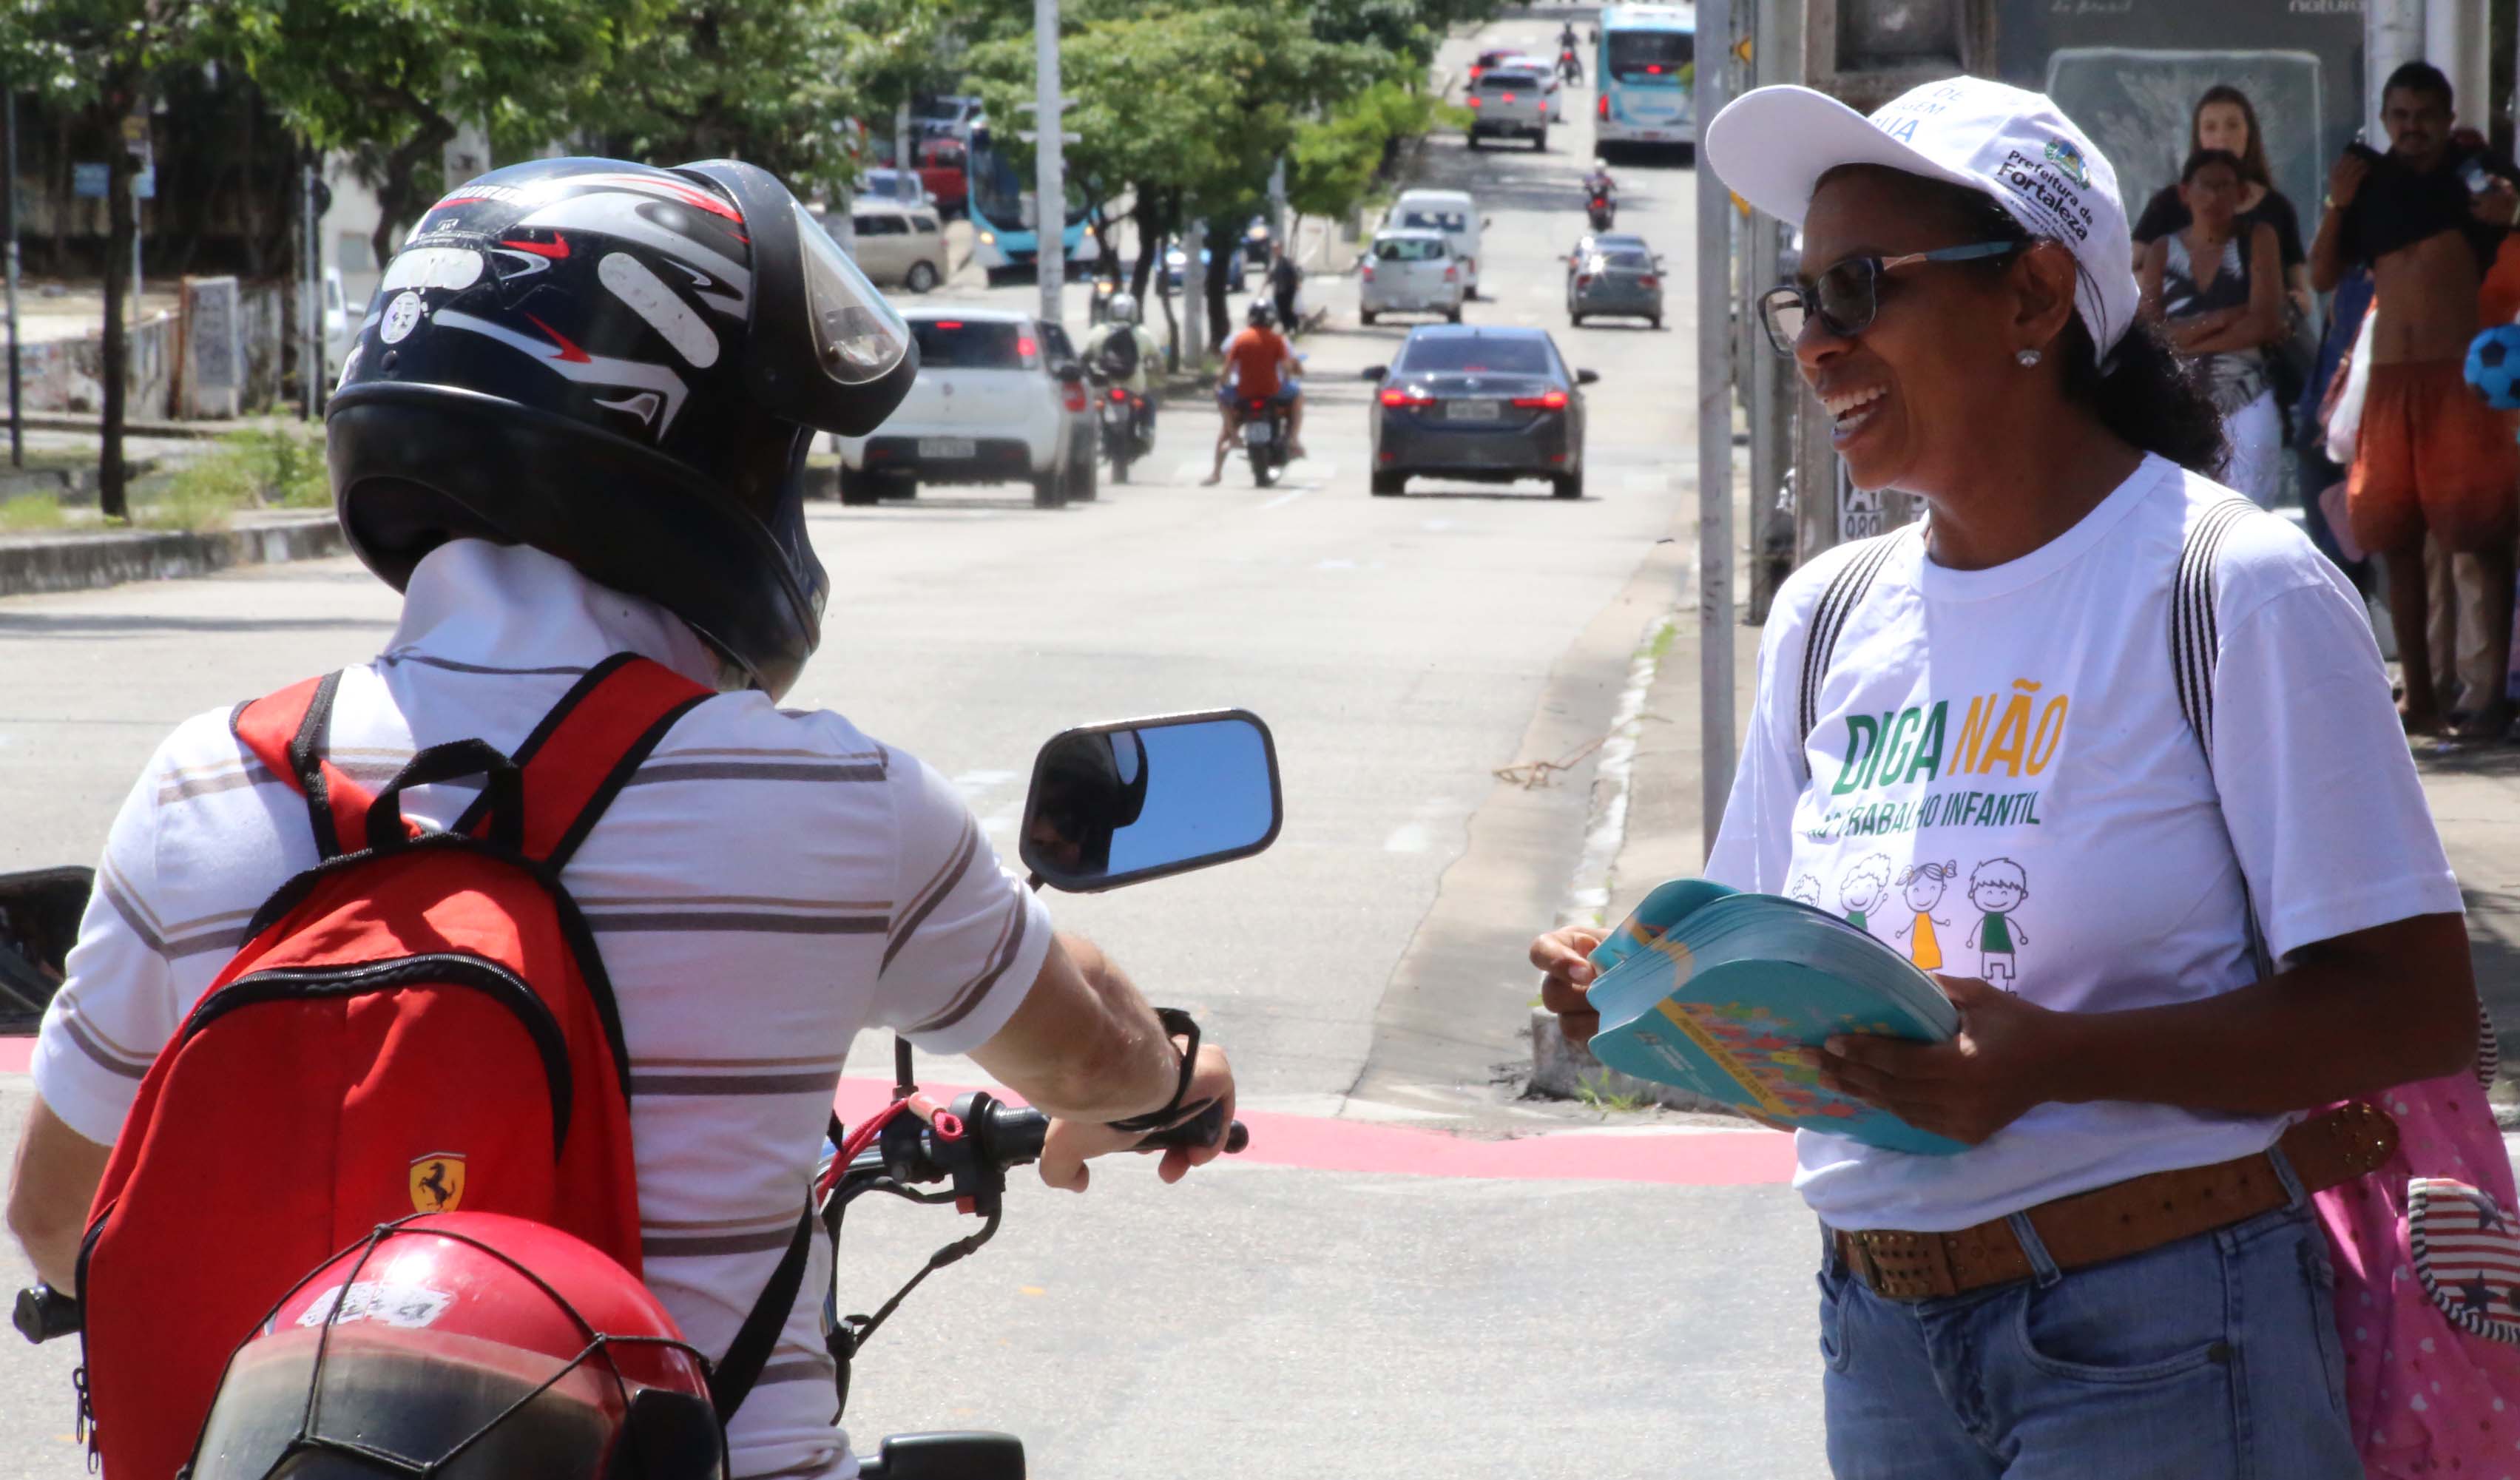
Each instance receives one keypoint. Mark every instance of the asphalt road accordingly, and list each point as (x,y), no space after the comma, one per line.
(1332,1313)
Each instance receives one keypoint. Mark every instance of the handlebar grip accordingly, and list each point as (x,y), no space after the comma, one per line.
(1198,1131)
(44,1313)
(1015,1135)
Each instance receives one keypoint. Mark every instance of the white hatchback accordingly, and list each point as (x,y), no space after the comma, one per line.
(998,400)
(1410,271)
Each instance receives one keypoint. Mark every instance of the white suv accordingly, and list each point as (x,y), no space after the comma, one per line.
(998,400)
(1408,272)
(1510,102)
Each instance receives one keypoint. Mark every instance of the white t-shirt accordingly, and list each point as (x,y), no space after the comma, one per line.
(769,883)
(2000,785)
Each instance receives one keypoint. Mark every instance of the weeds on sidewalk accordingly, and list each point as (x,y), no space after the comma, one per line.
(1595,1092)
(31,512)
(257,468)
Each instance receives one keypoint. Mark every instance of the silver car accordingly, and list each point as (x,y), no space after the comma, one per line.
(1622,279)
(1410,271)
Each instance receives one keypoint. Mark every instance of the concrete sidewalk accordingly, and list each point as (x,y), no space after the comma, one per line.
(2474,791)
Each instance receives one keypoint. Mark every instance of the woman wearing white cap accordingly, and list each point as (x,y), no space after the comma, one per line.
(2121,1277)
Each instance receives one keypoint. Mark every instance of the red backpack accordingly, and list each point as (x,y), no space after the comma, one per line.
(419,1022)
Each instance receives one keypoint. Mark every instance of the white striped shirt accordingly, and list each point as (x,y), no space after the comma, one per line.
(769,883)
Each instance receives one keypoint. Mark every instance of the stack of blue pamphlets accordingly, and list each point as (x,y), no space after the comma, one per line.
(1716,991)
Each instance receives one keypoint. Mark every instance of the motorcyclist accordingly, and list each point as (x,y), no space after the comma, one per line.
(1132,373)
(1570,65)
(1599,186)
(574,428)
(1259,364)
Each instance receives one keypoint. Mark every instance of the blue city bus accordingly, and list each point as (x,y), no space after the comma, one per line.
(1644,68)
(1000,241)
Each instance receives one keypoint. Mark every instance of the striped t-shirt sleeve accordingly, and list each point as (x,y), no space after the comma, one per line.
(967,938)
(117,1005)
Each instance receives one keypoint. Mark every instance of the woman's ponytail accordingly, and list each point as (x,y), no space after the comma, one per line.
(2149,396)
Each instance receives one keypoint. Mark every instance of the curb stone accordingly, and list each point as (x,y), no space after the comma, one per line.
(86,562)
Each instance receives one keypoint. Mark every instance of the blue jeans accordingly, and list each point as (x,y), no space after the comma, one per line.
(2212,1357)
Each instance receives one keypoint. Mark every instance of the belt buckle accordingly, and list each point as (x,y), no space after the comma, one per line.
(1904,1266)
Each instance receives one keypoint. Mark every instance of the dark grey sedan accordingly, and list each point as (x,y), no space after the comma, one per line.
(1617,280)
(1482,404)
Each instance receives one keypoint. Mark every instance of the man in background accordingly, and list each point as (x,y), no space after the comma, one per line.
(2431,457)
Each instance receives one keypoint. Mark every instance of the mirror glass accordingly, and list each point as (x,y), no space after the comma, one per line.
(1114,804)
(39,922)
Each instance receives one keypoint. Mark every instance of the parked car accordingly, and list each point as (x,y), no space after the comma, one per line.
(1481,403)
(1452,212)
(995,402)
(1408,271)
(1510,103)
(1619,281)
(898,245)
(944,118)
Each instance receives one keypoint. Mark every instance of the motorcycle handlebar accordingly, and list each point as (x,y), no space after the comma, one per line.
(44,1312)
(1012,1135)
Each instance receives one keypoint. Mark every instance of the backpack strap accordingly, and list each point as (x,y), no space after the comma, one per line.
(732,1378)
(285,731)
(1845,591)
(585,751)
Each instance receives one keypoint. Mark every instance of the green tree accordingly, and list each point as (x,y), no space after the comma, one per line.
(389,80)
(751,79)
(105,56)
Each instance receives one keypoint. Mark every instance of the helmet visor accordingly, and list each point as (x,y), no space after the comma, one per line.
(398,1405)
(858,338)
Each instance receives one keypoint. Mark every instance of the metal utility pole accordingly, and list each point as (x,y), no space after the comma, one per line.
(9,213)
(2392,34)
(1714,434)
(310,296)
(1050,177)
(1193,291)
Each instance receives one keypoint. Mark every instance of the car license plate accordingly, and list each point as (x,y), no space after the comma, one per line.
(1470,410)
(945,447)
(1255,433)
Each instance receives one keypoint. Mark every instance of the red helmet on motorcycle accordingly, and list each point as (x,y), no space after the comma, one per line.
(464,1346)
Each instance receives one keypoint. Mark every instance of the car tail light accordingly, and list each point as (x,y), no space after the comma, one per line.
(1508,97)
(1119,394)
(1601,107)
(1071,393)
(949,323)
(1366,272)
(1653,70)
(1648,281)
(1474,100)
(1404,395)
(1550,400)
(1474,72)
(1452,275)
(1025,346)
(1583,280)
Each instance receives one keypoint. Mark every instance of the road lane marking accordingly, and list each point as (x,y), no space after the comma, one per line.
(1284,499)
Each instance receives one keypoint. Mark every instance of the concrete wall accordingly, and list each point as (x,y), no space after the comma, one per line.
(69,375)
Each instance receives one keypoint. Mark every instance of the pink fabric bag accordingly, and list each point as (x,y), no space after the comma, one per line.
(2427,1256)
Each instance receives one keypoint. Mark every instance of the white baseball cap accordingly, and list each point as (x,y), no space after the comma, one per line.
(1772,145)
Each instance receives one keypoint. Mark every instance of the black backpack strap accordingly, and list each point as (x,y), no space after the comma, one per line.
(1845,591)
(731,1381)
(2196,644)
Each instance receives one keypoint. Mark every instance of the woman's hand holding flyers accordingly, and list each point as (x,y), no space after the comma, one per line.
(1981,1081)
(1562,956)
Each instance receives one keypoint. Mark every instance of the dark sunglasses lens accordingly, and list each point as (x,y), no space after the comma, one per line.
(1782,311)
(1844,295)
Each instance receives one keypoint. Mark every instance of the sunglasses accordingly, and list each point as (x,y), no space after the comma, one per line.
(1847,296)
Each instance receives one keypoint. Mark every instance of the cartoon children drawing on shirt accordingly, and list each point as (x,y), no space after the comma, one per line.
(1924,884)
(1998,887)
(1863,888)
(1804,888)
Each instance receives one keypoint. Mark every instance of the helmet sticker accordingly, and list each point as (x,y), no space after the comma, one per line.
(405,1307)
(576,364)
(402,315)
(725,285)
(455,268)
(664,310)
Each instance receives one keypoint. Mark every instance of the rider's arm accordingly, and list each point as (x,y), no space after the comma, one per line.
(1082,1044)
(55,1179)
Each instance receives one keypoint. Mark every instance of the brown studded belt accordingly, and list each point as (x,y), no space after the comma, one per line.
(2123,1218)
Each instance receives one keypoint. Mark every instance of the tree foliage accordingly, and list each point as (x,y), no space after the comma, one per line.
(390,80)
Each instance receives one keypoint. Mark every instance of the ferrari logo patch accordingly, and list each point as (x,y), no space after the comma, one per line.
(437,1181)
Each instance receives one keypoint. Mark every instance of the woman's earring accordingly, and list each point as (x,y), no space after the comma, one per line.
(2026,357)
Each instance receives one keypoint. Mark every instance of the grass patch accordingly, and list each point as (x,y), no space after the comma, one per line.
(257,468)
(31,511)
(1595,1093)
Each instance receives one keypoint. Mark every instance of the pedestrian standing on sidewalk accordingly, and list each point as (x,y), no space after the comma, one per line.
(2216,286)
(2123,1274)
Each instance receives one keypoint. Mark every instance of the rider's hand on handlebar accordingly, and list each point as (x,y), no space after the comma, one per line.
(1072,1142)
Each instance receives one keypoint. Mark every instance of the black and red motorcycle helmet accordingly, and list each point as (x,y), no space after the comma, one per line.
(620,365)
(464,1346)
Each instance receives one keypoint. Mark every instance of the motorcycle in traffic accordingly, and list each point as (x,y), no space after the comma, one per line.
(1109,805)
(1124,422)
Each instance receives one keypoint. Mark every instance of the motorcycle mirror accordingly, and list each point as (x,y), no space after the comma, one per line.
(39,922)
(1586,377)
(1373,372)
(971,1455)
(1121,803)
